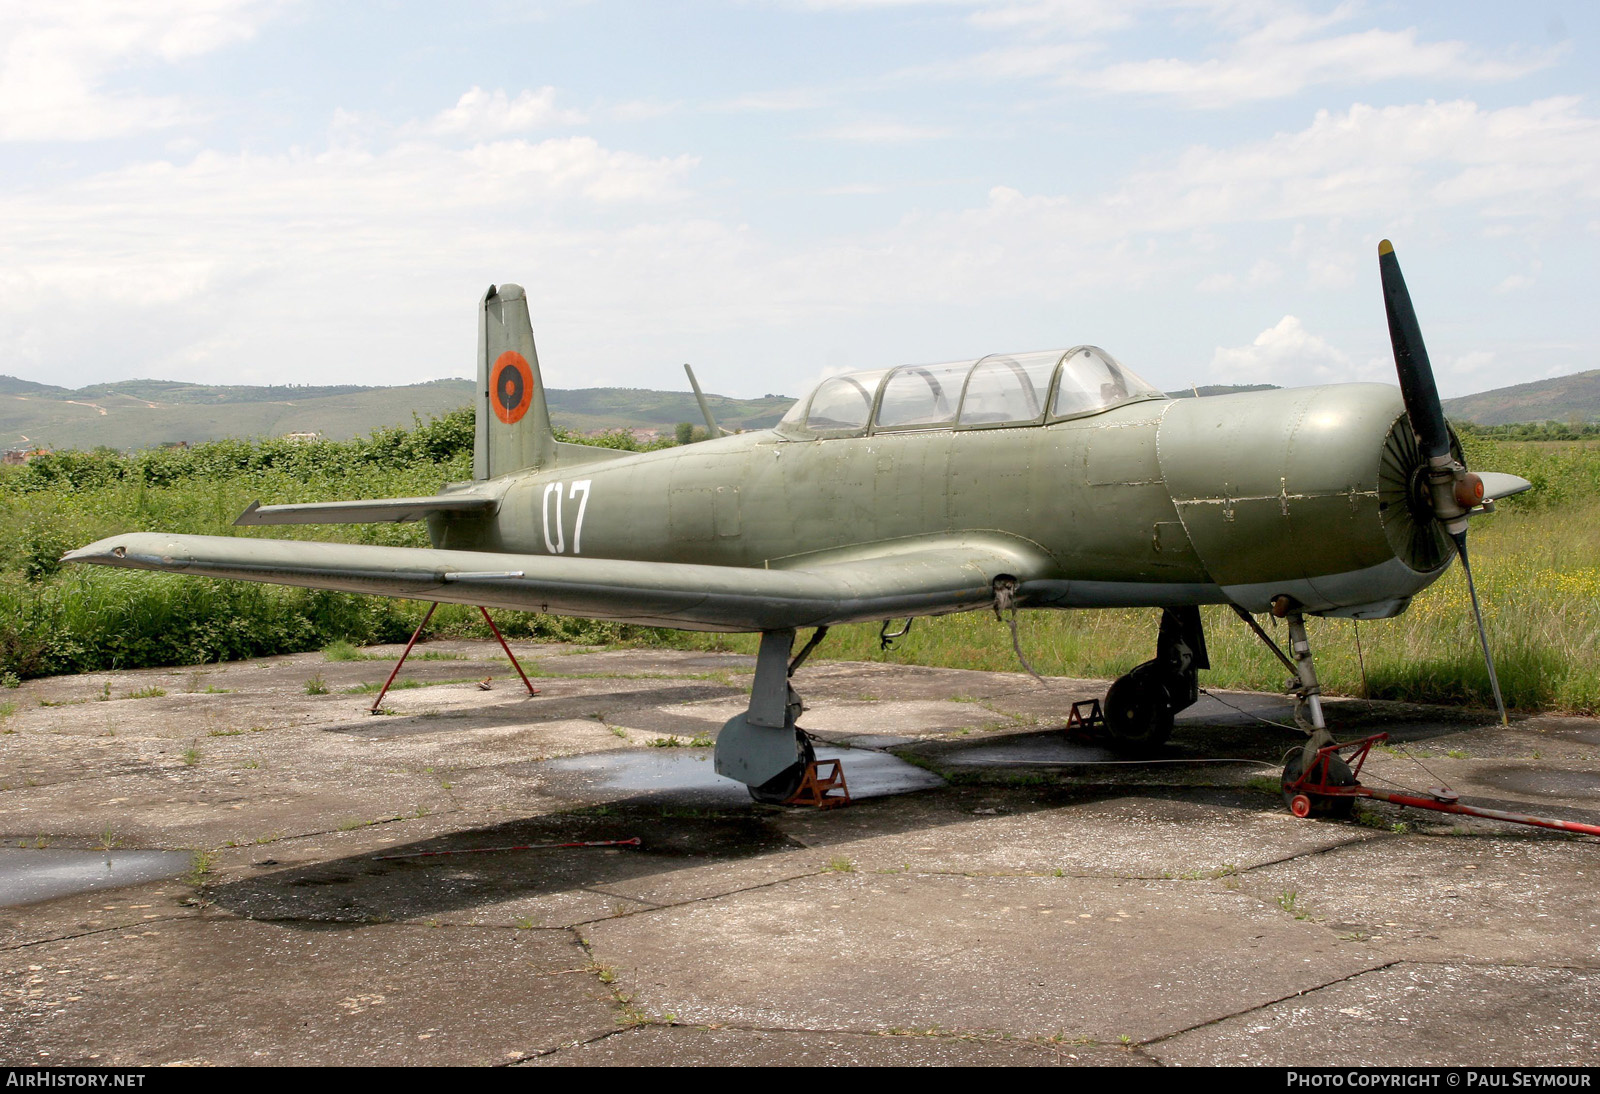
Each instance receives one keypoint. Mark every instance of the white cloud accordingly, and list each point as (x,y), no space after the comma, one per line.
(1249,50)
(56,60)
(1283,58)
(1285,354)
(483,115)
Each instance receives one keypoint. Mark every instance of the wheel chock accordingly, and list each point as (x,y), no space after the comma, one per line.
(1086,719)
(823,786)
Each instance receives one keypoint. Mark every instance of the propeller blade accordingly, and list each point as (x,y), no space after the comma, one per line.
(1483,637)
(1420,393)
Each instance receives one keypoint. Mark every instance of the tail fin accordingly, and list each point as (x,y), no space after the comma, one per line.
(512,418)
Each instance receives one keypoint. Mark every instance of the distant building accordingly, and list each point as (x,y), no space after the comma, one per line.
(302,436)
(14,456)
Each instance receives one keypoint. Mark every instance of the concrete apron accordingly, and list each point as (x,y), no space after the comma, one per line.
(998,895)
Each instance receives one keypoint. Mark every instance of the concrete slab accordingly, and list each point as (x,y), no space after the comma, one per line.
(686,1046)
(1136,837)
(1034,957)
(1517,898)
(1413,1015)
(225,991)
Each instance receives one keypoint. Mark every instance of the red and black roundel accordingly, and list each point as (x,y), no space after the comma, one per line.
(510,386)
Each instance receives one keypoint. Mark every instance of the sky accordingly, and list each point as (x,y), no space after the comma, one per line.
(288,191)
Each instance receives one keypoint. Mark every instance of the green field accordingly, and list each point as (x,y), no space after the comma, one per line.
(1537,561)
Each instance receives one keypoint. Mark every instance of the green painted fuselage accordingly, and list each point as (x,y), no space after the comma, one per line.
(1156,502)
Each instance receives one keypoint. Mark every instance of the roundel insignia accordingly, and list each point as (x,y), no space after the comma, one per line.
(510,386)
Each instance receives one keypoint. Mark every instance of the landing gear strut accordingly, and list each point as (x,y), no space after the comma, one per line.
(1140,706)
(764,748)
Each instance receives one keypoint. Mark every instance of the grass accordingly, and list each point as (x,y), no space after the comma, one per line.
(316,686)
(147,693)
(343,650)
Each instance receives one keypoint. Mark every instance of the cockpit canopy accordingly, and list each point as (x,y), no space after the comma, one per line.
(1002,389)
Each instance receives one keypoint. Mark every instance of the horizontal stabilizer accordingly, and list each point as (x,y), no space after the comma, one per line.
(383,510)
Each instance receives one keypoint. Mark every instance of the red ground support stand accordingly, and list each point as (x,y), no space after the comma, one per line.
(823,791)
(1081,724)
(378,702)
(1315,783)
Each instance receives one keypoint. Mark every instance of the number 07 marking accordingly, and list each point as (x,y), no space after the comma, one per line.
(558,545)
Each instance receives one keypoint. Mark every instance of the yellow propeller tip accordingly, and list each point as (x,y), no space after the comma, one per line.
(1385,247)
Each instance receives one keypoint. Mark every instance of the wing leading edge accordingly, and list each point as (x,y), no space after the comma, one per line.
(920,577)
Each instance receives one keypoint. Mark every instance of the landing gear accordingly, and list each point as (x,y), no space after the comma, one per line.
(1303,803)
(784,785)
(1141,705)
(764,747)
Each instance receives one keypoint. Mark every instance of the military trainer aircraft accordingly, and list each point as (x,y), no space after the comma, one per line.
(1055,479)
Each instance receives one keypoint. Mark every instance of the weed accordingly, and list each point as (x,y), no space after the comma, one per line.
(618,731)
(840,865)
(105,693)
(398,685)
(701,742)
(524,923)
(7,709)
(10,680)
(351,825)
(666,742)
(199,868)
(1537,755)
(151,692)
(315,686)
(225,733)
(1287,900)
(1263,784)
(1124,1040)
(343,650)
(251,764)
(433,655)
(108,839)
(214,690)
(190,756)
(1354,936)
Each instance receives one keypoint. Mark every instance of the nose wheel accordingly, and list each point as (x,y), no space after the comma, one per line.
(1328,770)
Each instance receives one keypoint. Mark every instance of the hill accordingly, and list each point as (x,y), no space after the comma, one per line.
(148,413)
(1574,398)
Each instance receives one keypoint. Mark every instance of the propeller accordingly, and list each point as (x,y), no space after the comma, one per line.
(1452,489)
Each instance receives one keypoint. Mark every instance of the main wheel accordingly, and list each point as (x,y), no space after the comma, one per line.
(782,786)
(1138,709)
(1327,805)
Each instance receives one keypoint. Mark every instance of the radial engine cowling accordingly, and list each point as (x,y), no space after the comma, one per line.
(1314,487)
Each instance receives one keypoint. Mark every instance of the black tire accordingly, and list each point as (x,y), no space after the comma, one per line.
(1138,710)
(1339,774)
(782,786)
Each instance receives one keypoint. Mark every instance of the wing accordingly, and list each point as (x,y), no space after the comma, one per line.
(916,577)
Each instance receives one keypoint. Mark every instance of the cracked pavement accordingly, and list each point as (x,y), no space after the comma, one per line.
(998,893)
